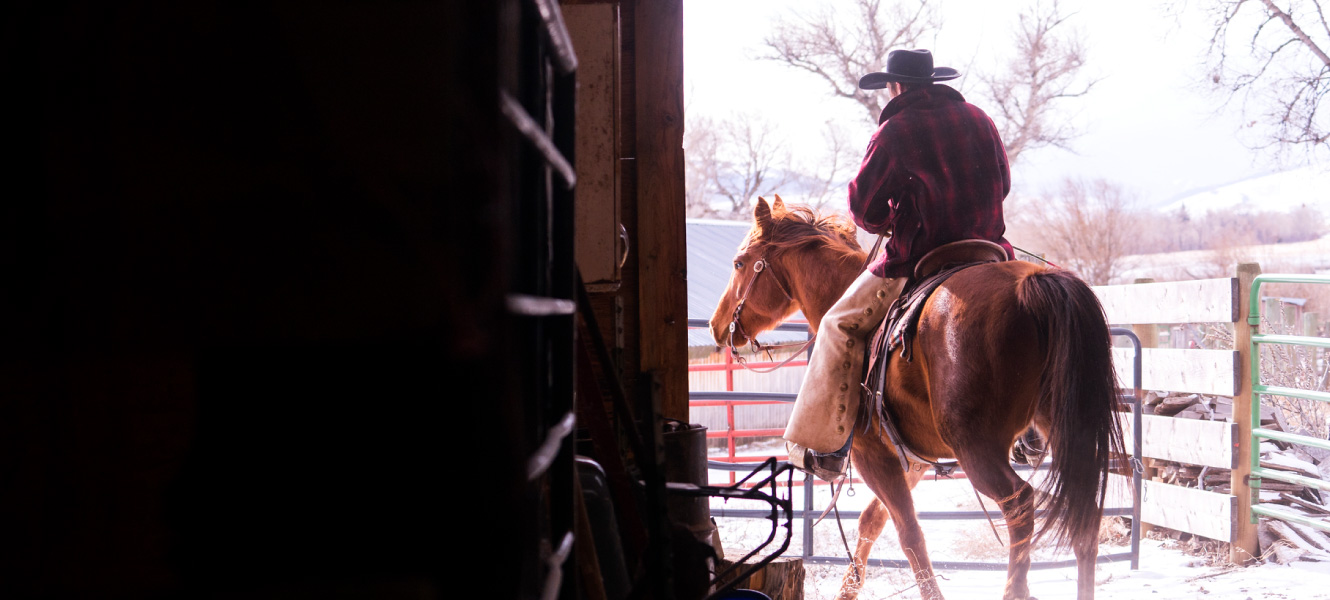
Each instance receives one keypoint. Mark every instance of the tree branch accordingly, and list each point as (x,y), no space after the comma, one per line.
(1048,62)
(1302,35)
(839,56)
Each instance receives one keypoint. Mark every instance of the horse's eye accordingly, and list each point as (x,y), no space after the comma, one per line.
(738,264)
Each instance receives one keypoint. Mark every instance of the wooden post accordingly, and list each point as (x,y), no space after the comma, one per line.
(594,29)
(1310,321)
(1244,548)
(662,283)
(1270,312)
(1148,333)
(1288,315)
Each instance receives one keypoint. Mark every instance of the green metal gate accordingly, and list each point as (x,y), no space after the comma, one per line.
(1258,389)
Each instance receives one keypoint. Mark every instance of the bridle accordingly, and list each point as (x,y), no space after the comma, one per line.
(759,267)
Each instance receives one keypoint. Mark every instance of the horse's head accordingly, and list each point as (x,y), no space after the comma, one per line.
(758,296)
(782,265)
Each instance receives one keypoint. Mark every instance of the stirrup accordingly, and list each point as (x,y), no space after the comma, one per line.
(827,467)
(1029,449)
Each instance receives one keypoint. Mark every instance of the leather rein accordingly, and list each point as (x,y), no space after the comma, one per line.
(759,267)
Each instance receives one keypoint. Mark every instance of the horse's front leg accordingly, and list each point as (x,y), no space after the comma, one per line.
(871,523)
(892,486)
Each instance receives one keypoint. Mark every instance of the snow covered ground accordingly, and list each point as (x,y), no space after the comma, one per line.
(1165,573)
(1168,568)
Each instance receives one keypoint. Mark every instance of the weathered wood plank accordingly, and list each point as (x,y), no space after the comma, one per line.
(1192,441)
(1148,334)
(1212,372)
(594,30)
(660,248)
(1199,301)
(781,579)
(1194,511)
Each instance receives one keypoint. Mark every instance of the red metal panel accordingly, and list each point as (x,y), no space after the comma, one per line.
(732,367)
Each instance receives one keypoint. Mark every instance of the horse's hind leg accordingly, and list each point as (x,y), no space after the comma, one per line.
(871,523)
(1087,551)
(994,477)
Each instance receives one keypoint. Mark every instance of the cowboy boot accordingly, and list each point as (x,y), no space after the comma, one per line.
(830,466)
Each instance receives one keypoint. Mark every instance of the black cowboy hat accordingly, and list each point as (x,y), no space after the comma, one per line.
(908,66)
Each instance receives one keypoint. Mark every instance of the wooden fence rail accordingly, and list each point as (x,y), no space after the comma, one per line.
(1217,444)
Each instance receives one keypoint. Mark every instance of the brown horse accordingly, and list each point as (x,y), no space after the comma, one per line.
(999,347)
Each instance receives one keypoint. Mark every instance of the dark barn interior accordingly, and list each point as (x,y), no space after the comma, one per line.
(291,307)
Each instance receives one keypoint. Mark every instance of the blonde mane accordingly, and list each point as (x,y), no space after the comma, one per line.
(799,227)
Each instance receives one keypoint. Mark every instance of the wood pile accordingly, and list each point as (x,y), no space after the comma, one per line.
(781,579)
(1280,541)
(1283,542)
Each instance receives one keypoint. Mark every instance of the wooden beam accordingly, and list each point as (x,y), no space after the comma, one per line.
(1212,372)
(594,30)
(1244,549)
(782,579)
(1200,301)
(1208,514)
(1192,441)
(1148,334)
(661,256)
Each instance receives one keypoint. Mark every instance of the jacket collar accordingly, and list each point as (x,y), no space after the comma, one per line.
(920,94)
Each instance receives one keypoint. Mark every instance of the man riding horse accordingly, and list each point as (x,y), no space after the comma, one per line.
(935,172)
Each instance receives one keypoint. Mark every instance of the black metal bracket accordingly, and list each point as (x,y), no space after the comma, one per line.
(781,511)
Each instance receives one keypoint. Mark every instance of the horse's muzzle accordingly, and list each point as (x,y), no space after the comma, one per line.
(721,332)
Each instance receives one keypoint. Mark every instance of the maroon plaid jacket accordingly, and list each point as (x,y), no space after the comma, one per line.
(935,172)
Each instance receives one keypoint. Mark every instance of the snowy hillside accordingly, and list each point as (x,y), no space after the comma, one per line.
(1300,257)
(1281,191)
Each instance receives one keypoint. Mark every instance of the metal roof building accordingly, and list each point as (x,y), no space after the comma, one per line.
(711,248)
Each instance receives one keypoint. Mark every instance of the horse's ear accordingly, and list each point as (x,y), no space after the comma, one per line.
(778,206)
(762,215)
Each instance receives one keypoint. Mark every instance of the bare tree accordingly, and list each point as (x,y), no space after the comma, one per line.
(1273,56)
(732,161)
(1222,229)
(839,53)
(1221,260)
(1046,69)
(757,161)
(826,183)
(1088,227)
(701,147)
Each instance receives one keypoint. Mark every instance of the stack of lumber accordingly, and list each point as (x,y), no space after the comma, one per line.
(1200,406)
(1281,541)
(1284,543)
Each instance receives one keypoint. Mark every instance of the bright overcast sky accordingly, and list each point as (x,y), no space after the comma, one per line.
(1150,124)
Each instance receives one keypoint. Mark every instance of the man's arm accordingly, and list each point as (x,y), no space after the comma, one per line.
(871,207)
(1003,165)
